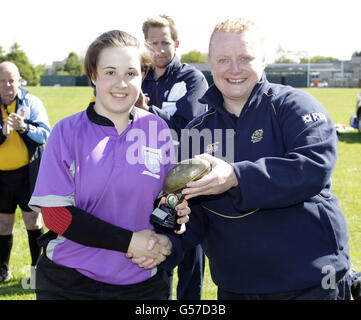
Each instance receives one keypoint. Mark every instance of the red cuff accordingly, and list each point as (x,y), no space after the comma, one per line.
(57,219)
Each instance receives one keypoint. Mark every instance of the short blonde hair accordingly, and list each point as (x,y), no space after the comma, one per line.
(237,25)
(161,21)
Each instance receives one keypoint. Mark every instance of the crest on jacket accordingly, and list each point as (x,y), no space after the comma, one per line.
(257,136)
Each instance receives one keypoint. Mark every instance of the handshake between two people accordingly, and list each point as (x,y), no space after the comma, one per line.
(148,248)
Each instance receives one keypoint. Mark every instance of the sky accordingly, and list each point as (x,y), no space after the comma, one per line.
(49,30)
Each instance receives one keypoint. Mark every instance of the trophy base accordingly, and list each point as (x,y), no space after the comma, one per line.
(165,217)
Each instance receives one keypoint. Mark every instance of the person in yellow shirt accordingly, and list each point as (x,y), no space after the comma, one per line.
(24,128)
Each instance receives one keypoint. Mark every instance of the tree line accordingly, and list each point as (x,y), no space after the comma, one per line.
(74,65)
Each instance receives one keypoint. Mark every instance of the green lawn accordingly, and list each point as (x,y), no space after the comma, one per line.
(340,103)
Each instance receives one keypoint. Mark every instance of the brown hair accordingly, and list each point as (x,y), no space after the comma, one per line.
(114,38)
(161,21)
(146,61)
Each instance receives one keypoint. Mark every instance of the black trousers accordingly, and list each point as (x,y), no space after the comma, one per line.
(55,282)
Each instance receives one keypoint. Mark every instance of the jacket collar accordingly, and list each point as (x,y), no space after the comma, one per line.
(103,121)
(22,93)
(213,97)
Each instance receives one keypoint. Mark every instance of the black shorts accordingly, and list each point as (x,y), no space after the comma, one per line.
(15,190)
(55,282)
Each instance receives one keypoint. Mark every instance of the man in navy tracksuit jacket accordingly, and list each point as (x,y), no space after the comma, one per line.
(172,90)
(266,216)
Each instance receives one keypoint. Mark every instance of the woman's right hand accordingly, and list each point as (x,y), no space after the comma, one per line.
(146,243)
(156,248)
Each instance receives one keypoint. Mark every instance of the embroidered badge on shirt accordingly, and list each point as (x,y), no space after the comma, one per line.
(257,136)
(152,159)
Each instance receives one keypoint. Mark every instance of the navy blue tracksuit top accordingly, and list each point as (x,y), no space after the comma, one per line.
(174,96)
(281,228)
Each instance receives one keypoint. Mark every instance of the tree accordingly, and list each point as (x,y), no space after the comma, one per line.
(193,56)
(26,69)
(73,65)
(39,69)
(2,57)
(316,59)
(287,56)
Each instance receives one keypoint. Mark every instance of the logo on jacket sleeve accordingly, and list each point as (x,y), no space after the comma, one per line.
(257,136)
(313,117)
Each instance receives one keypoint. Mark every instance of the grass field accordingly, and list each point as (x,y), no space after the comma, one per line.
(340,103)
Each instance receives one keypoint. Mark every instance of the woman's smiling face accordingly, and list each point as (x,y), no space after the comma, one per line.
(237,64)
(118,80)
